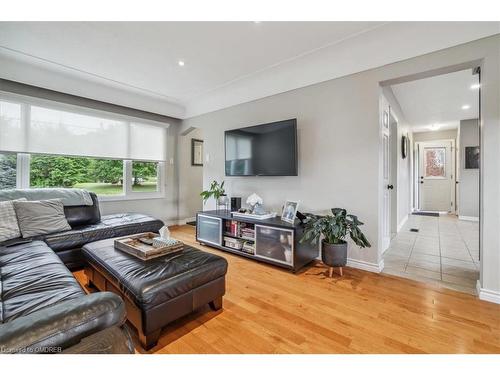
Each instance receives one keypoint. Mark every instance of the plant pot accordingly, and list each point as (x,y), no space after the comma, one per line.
(222,203)
(334,255)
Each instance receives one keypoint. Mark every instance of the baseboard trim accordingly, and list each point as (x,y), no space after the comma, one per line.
(487,294)
(468,218)
(186,220)
(402,223)
(179,221)
(366,266)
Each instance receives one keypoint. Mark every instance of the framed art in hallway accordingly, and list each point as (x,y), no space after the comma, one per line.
(196,152)
(472,157)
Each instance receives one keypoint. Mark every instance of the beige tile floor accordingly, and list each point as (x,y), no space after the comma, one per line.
(445,251)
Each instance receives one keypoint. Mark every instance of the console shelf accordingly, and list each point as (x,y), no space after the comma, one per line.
(275,241)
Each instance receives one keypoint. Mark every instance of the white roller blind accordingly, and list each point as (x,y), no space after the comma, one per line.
(147,142)
(11,130)
(59,132)
(43,130)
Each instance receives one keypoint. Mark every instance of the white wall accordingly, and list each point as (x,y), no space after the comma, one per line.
(435,135)
(339,154)
(338,150)
(190,178)
(469,178)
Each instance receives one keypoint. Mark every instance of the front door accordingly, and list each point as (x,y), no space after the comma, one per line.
(436,176)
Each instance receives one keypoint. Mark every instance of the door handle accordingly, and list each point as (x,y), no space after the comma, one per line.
(390,187)
(421,182)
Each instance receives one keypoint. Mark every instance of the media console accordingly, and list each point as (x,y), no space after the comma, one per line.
(272,240)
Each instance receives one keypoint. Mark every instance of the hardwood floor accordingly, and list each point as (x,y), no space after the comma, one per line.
(269,310)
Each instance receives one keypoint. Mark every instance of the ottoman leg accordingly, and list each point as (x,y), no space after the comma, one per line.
(149,341)
(216,304)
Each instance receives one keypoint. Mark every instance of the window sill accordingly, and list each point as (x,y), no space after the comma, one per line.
(130,197)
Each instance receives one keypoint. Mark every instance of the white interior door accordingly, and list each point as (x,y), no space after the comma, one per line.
(386,180)
(436,176)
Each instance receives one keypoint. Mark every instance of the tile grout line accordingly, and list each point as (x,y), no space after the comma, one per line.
(466,246)
(411,252)
(440,253)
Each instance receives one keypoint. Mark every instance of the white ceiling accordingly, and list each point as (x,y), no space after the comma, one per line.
(226,63)
(438,100)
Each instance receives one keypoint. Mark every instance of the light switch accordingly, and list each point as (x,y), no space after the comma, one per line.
(171,161)
(207,158)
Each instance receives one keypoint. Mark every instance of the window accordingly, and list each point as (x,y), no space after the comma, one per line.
(48,144)
(435,162)
(144,176)
(101,176)
(8,171)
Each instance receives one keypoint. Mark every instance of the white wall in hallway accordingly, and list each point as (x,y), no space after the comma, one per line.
(469,178)
(435,135)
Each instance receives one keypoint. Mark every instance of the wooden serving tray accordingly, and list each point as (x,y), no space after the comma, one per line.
(131,245)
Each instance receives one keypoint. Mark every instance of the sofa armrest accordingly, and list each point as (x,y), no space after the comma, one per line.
(113,340)
(55,328)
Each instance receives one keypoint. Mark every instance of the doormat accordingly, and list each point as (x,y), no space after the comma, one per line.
(193,223)
(423,213)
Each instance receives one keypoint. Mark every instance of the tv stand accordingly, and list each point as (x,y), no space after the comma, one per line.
(271,241)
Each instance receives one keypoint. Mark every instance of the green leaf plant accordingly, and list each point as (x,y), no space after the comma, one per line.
(216,190)
(335,228)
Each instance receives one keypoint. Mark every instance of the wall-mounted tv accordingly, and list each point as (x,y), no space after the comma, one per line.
(262,150)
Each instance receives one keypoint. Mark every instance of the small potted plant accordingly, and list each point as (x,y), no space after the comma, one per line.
(334,229)
(217,192)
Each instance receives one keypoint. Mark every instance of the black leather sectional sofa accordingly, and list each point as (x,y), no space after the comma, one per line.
(42,306)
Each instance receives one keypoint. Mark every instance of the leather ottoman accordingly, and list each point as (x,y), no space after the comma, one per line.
(158,291)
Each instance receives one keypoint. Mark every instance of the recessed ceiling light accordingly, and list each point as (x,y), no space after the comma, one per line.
(475,86)
(435,127)
(465,106)
(181,63)
(256,21)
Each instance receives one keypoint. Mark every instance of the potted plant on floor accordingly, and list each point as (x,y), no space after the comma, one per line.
(216,191)
(334,229)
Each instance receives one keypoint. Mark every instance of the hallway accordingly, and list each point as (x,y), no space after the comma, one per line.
(445,252)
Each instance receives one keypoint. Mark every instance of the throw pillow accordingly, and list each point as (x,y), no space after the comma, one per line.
(41,217)
(9,228)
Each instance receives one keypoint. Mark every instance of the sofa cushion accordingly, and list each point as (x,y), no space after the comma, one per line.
(115,225)
(33,277)
(83,215)
(9,227)
(131,223)
(40,217)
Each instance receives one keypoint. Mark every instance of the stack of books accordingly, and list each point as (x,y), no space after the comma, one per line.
(247,232)
(248,247)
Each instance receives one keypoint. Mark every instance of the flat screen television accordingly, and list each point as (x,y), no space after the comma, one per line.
(262,150)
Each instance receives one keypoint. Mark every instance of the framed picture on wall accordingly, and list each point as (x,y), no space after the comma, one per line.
(196,152)
(472,157)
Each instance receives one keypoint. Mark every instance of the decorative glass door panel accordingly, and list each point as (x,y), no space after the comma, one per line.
(209,229)
(275,244)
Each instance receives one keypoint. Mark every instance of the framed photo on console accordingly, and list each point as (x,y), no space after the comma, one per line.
(289,211)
